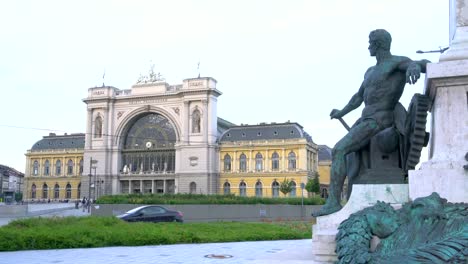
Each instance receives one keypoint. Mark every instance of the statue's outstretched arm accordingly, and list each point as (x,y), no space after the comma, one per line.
(413,69)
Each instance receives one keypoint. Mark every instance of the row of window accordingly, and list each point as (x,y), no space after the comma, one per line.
(58,168)
(259,162)
(275,189)
(56,191)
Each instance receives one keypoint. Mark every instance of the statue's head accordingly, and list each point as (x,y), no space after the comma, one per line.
(379,39)
(382,220)
(431,206)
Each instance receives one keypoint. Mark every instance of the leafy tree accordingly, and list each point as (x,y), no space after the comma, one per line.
(313,184)
(286,186)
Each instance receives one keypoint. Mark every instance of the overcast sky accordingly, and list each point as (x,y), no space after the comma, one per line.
(274,60)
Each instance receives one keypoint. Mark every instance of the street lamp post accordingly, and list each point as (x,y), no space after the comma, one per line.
(302,198)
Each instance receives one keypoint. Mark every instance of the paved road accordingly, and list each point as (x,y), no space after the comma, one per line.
(47,210)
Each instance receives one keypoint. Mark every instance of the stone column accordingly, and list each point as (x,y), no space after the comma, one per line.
(458,31)
(447,86)
(205,121)
(89,130)
(187,121)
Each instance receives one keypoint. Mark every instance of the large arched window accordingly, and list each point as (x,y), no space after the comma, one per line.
(70,167)
(148,146)
(227,163)
(68,191)
(58,167)
(227,188)
(56,191)
(243,163)
(33,191)
(293,189)
(98,127)
(78,191)
(35,167)
(196,121)
(258,162)
(46,168)
(81,167)
(274,161)
(292,161)
(193,188)
(275,189)
(258,189)
(45,191)
(242,189)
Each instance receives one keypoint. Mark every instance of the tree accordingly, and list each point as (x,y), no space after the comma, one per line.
(313,184)
(286,186)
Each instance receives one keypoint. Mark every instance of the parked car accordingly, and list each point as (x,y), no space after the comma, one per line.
(152,213)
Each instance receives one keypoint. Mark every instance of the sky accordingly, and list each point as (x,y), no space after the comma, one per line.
(274,60)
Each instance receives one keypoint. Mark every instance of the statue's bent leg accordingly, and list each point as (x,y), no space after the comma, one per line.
(358,137)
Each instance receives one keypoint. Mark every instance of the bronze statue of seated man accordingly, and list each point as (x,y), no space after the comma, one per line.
(380,91)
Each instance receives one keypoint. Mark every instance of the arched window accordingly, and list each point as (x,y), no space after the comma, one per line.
(258,189)
(243,163)
(292,161)
(227,188)
(70,167)
(275,161)
(56,191)
(98,127)
(46,167)
(293,189)
(58,167)
(81,167)
(258,162)
(148,145)
(275,189)
(227,162)
(193,188)
(35,167)
(45,191)
(78,194)
(33,191)
(196,121)
(68,191)
(242,189)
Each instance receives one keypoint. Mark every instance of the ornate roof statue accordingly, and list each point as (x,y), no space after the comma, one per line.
(152,77)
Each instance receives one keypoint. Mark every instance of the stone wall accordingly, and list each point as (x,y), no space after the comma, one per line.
(215,212)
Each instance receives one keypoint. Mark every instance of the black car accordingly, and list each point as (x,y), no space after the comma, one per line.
(152,213)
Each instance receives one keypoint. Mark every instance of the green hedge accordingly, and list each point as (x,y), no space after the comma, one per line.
(86,232)
(201,199)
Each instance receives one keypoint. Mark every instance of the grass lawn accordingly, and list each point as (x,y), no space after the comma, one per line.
(86,232)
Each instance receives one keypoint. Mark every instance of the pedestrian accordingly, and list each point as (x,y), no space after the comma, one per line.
(83,203)
(88,205)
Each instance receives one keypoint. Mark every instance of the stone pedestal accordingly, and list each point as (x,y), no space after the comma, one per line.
(447,86)
(363,195)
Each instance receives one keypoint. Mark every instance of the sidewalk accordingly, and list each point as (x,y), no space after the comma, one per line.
(262,252)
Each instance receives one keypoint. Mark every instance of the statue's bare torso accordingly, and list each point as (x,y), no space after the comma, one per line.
(381,90)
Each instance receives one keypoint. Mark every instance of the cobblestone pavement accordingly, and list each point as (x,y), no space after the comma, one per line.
(271,252)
